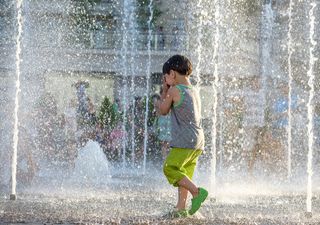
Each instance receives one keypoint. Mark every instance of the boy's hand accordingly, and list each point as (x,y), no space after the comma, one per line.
(167,100)
(165,86)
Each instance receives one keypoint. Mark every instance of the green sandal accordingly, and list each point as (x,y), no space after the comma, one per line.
(197,201)
(178,213)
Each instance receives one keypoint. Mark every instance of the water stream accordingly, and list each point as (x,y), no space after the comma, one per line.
(17,95)
(148,76)
(310,105)
(256,199)
(215,86)
(290,81)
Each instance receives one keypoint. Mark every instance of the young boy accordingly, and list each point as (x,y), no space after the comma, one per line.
(187,141)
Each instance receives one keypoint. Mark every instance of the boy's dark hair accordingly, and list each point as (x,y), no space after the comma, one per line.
(178,63)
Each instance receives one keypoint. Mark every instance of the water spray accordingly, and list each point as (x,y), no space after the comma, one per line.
(13,195)
(311,77)
(215,97)
(289,127)
(134,34)
(124,52)
(145,143)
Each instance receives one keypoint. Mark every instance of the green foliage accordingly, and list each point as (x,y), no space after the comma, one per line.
(108,114)
(143,12)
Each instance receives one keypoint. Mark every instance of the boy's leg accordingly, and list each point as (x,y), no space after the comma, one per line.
(178,168)
(183,195)
(186,183)
(199,194)
(189,167)
(173,165)
(174,171)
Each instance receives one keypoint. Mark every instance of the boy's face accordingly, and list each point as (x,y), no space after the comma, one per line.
(170,78)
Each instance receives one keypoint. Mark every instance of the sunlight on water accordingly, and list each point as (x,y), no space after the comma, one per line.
(310,106)
(290,51)
(260,154)
(215,87)
(16,108)
(148,69)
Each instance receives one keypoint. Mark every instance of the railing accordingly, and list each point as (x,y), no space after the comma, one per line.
(110,40)
(159,42)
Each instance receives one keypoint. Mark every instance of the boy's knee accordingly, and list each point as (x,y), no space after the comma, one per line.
(172,174)
(169,170)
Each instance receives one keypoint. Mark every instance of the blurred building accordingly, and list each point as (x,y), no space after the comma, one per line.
(110,44)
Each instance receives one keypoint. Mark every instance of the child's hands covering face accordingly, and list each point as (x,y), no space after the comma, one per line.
(165,85)
(169,78)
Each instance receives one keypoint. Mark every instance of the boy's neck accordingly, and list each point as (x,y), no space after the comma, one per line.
(180,79)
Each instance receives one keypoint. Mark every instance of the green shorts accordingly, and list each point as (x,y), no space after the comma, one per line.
(180,163)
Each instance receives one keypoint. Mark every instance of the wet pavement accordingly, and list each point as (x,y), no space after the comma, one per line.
(137,199)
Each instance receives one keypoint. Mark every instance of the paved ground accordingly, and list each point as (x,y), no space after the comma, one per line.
(146,200)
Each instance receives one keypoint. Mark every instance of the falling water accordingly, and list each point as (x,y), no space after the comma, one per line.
(215,95)
(199,43)
(310,74)
(16,108)
(133,131)
(133,38)
(221,118)
(124,52)
(266,38)
(223,5)
(150,6)
(290,51)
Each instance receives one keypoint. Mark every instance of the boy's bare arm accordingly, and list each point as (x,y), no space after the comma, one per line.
(166,100)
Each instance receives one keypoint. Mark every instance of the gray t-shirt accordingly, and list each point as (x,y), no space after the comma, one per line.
(186,129)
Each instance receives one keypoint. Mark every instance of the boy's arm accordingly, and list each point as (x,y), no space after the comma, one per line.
(165,102)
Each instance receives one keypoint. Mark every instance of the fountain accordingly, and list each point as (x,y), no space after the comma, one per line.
(133,28)
(91,165)
(310,108)
(124,52)
(16,109)
(145,140)
(109,171)
(215,95)
(290,51)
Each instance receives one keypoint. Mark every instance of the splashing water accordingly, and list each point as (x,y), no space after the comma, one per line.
(215,96)
(133,130)
(273,203)
(124,52)
(91,164)
(145,143)
(223,5)
(199,44)
(267,25)
(290,51)
(16,108)
(310,74)
(134,34)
